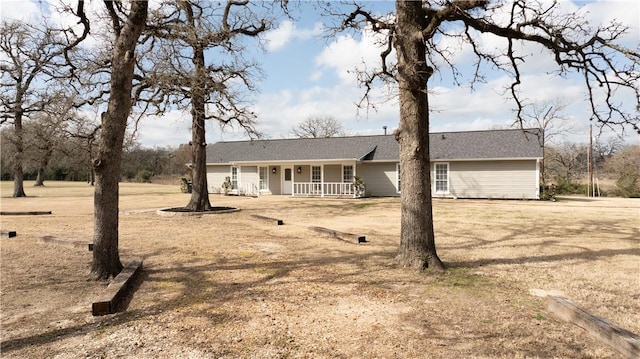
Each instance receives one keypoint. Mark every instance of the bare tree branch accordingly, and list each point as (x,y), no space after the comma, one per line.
(415,32)
(182,77)
(318,127)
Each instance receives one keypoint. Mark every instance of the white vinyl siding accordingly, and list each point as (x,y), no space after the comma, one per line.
(275,180)
(515,179)
(380,178)
(249,180)
(215,177)
(332,173)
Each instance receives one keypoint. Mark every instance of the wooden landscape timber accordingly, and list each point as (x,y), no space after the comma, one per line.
(341,235)
(66,242)
(117,290)
(9,234)
(24,213)
(622,340)
(278,222)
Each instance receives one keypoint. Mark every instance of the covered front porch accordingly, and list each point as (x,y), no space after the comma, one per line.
(318,179)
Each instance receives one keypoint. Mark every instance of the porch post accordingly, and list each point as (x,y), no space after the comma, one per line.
(351,184)
(322,180)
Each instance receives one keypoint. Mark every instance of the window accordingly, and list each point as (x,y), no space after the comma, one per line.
(442,178)
(234,177)
(347,174)
(316,176)
(264,178)
(287,174)
(398,180)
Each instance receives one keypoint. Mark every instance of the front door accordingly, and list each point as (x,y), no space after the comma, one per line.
(287,181)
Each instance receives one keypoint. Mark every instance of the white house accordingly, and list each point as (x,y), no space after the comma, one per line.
(472,164)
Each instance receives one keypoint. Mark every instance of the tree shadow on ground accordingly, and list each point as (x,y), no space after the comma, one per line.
(198,288)
(193,284)
(527,248)
(582,256)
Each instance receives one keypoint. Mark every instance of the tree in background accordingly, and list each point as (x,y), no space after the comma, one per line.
(32,56)
(85,133)
(42,136)
(566,163)
(318,127)
(548,117)
(180,33)
(142,164)
(603,150)
(46,132)
(417,35)
(624,165)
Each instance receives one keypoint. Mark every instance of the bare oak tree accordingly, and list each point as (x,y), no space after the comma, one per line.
(606,148)
(31,57)
(45,133)
(566,162)
(416,33)
(127,28)
(197,64)
(548,117)
(318,127)
(85,135)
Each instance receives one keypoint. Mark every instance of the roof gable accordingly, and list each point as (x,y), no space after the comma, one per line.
(470,145)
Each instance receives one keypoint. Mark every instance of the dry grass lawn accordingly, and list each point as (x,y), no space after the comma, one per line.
(229,286)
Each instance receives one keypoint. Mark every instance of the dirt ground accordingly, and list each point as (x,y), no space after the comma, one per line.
(230,286)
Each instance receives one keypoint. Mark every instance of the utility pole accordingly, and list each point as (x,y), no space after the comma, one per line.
(590,192)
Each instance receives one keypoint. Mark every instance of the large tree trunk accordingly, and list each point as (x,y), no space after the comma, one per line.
(106,259)
(417,244)
(18,174)
(200,194)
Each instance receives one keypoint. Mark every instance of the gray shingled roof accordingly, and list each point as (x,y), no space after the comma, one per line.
(497,144)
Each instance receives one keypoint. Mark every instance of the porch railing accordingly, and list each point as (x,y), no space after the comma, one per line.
(248,189)
(323,189)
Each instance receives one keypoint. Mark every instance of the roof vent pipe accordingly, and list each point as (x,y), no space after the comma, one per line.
(385,129)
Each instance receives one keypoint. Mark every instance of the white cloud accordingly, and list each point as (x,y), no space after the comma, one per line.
(286,32)
(477,124)
(58,14)
(626,12)
(172,129)
(19,10)
(495,95)
(315,76)
(280,112)
(347,53)
(538,58)
(280,37)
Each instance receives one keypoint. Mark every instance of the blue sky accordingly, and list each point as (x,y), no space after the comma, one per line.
(309,75)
